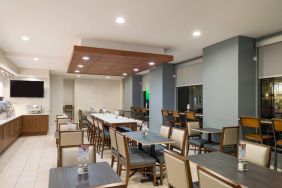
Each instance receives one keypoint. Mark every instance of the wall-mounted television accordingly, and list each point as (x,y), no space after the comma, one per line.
(22,88)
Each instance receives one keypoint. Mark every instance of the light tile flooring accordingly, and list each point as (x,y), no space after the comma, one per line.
(27,161)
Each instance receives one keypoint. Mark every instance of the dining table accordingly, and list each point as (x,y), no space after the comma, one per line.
(208,130)
(148,138)
(114,121)
(227,166)
(99,174)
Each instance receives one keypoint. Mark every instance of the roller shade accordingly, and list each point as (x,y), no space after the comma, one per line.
(189,74)
(270,60)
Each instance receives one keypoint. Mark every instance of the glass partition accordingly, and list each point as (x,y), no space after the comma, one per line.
(190,97)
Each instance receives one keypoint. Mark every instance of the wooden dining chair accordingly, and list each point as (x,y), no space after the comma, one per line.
(255,124)
(194,137)
(61,121)
(67,138)
(180,137)
(114,149)
(178,170)
(190,116)
(166,117)
(229,141)
(208,178)
(90,130)
(176,120)
(137,160)
(67,127)
(68,155)
(104,140)
(277,130)
(259,154)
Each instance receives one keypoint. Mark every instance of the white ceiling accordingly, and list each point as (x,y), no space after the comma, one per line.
(54,26)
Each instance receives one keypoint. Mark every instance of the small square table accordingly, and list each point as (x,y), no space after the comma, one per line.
(98,174)
(208,131)
(151,139)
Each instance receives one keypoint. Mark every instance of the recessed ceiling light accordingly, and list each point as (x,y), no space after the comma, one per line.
(25,38)
(135,70)
(151,63)
(124,74)
(108,77)
(78,76)
(86,58)
(120,20)
(77,71)
(80,66)
(197,33)
(36,59)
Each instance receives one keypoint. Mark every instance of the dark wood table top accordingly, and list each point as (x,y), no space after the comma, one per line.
(150,139)
(98,174)
(208,130)
(226,165)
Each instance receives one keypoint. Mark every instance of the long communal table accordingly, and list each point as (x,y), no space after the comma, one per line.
(227,166)
(114,121)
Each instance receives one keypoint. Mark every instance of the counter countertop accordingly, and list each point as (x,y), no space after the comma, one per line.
(3,121)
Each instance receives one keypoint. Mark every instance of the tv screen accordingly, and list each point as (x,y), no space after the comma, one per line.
(21,88)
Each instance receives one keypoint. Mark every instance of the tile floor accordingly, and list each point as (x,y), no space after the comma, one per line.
(27,161)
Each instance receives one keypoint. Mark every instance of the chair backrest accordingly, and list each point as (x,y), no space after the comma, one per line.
(122,145)
(100,125)
(80,114)
(62,121)
(193,125)
(179,136)
(165,131)
(277,125)
(230,136)
(176,165)
(175,114)
(251,122)
(259,154)
(190,116)
(70,138)
(66,127)
(164,113)
(208,178)
(90,119)
(113,138)
(69,155)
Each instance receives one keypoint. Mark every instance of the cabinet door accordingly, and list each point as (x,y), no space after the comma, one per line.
(29,124)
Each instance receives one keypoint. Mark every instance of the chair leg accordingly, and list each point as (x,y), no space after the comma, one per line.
(119,169)
(103,145)
(161,173)
(200,150)
(275,158)
(112,162)
(154,175)
(127,175)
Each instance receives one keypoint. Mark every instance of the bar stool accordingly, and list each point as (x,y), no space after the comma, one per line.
(277,130)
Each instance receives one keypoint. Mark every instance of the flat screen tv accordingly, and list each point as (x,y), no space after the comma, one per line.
(22,88)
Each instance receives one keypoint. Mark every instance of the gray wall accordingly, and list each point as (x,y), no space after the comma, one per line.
(247,77)
(228,81)
(162,93)
(137,90)
(220,83)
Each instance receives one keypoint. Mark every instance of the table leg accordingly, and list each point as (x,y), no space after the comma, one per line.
(153,151)
(140,146)
(209,137)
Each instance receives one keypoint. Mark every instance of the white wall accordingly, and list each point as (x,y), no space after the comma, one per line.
(127,92)
(68,91)
(56,87)
(97,94)
(20,103)
(189,74)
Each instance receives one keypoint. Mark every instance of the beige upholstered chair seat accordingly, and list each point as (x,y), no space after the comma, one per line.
(70,156)
(178,135)
(193,125)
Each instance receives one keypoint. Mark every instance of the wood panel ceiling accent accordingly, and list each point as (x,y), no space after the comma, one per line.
(113,62)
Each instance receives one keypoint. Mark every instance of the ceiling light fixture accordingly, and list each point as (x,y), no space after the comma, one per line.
(197,33)
(77,71)
(80,66)
(151,63)
(36,59)
(108,77)
(86,58)
(136,70)
(124,74)
(120,20)
(25,38)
